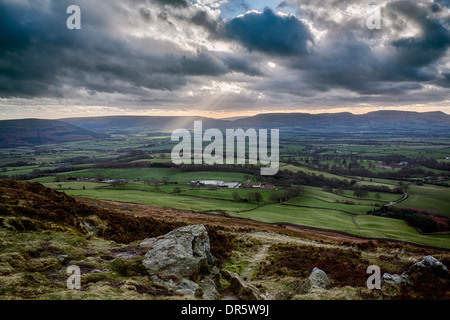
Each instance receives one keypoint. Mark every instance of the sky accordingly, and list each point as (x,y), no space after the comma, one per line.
(222,58)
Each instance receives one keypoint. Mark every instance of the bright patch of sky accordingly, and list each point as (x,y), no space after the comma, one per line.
(233,8)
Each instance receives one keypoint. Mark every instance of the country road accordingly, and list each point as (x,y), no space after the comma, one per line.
(403,198)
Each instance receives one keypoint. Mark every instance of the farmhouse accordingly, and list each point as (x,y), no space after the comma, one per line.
(217,183)
(259,185)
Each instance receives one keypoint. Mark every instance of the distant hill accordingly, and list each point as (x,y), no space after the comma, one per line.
(372,122)
(395,120)
(139,124)
(26,132)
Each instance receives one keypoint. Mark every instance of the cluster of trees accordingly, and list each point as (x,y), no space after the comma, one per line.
(252,196)
(276,197)
(288,194)
(288,177)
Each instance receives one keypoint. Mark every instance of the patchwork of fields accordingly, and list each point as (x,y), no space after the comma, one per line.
(71,168)
(316,208)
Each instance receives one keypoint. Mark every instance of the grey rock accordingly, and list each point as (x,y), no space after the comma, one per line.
(183,252)
(429,263)
(428,268)
(187,288)
(181,262)
(395,279)
(319,279)
(148,242)
(63,258)
(209,289)
(242,289)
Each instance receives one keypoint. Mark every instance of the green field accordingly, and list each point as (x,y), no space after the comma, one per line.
(163,200)
(378,227)
(311,171)
(320,218)
(428,197)
(312,155)
(315,203)
(157,173)
(348,195)
(326,215)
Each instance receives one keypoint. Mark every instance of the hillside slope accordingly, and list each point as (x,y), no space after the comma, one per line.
(27,132)
(43,231)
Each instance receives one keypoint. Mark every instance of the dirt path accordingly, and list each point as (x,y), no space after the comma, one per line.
(259,256)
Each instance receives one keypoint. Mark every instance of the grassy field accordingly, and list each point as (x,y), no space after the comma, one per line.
(311,202)
(378,227)
(369,226)
(12,171)
(311,171)
(320,218)
(157,173)
(428,197)
(227,194)
(315,192)
(327,215)
(163,200)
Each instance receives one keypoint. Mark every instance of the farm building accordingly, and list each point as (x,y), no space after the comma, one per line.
(217,183)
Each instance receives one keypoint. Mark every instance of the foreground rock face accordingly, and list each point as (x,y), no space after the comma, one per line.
(182,252)
(182,262)
(242,289)
(429,272)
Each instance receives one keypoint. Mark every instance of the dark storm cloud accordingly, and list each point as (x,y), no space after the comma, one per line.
(39,56)
(181,45)
(427,48)
(172,3)
(347,59)
(269,33)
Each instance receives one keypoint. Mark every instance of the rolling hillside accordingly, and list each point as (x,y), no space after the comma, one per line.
(378,121)
(26,132)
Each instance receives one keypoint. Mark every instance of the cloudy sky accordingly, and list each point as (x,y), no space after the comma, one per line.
(222,58)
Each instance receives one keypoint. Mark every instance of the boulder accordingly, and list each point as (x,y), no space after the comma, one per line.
(242,289)
(427,273)
(181,262)
(319,279)
(428,264)
(183,252)
(395,279)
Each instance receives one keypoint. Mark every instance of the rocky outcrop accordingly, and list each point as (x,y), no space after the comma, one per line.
(427,272)
(181,261)
(242,289)
(317,280)
(428,264)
